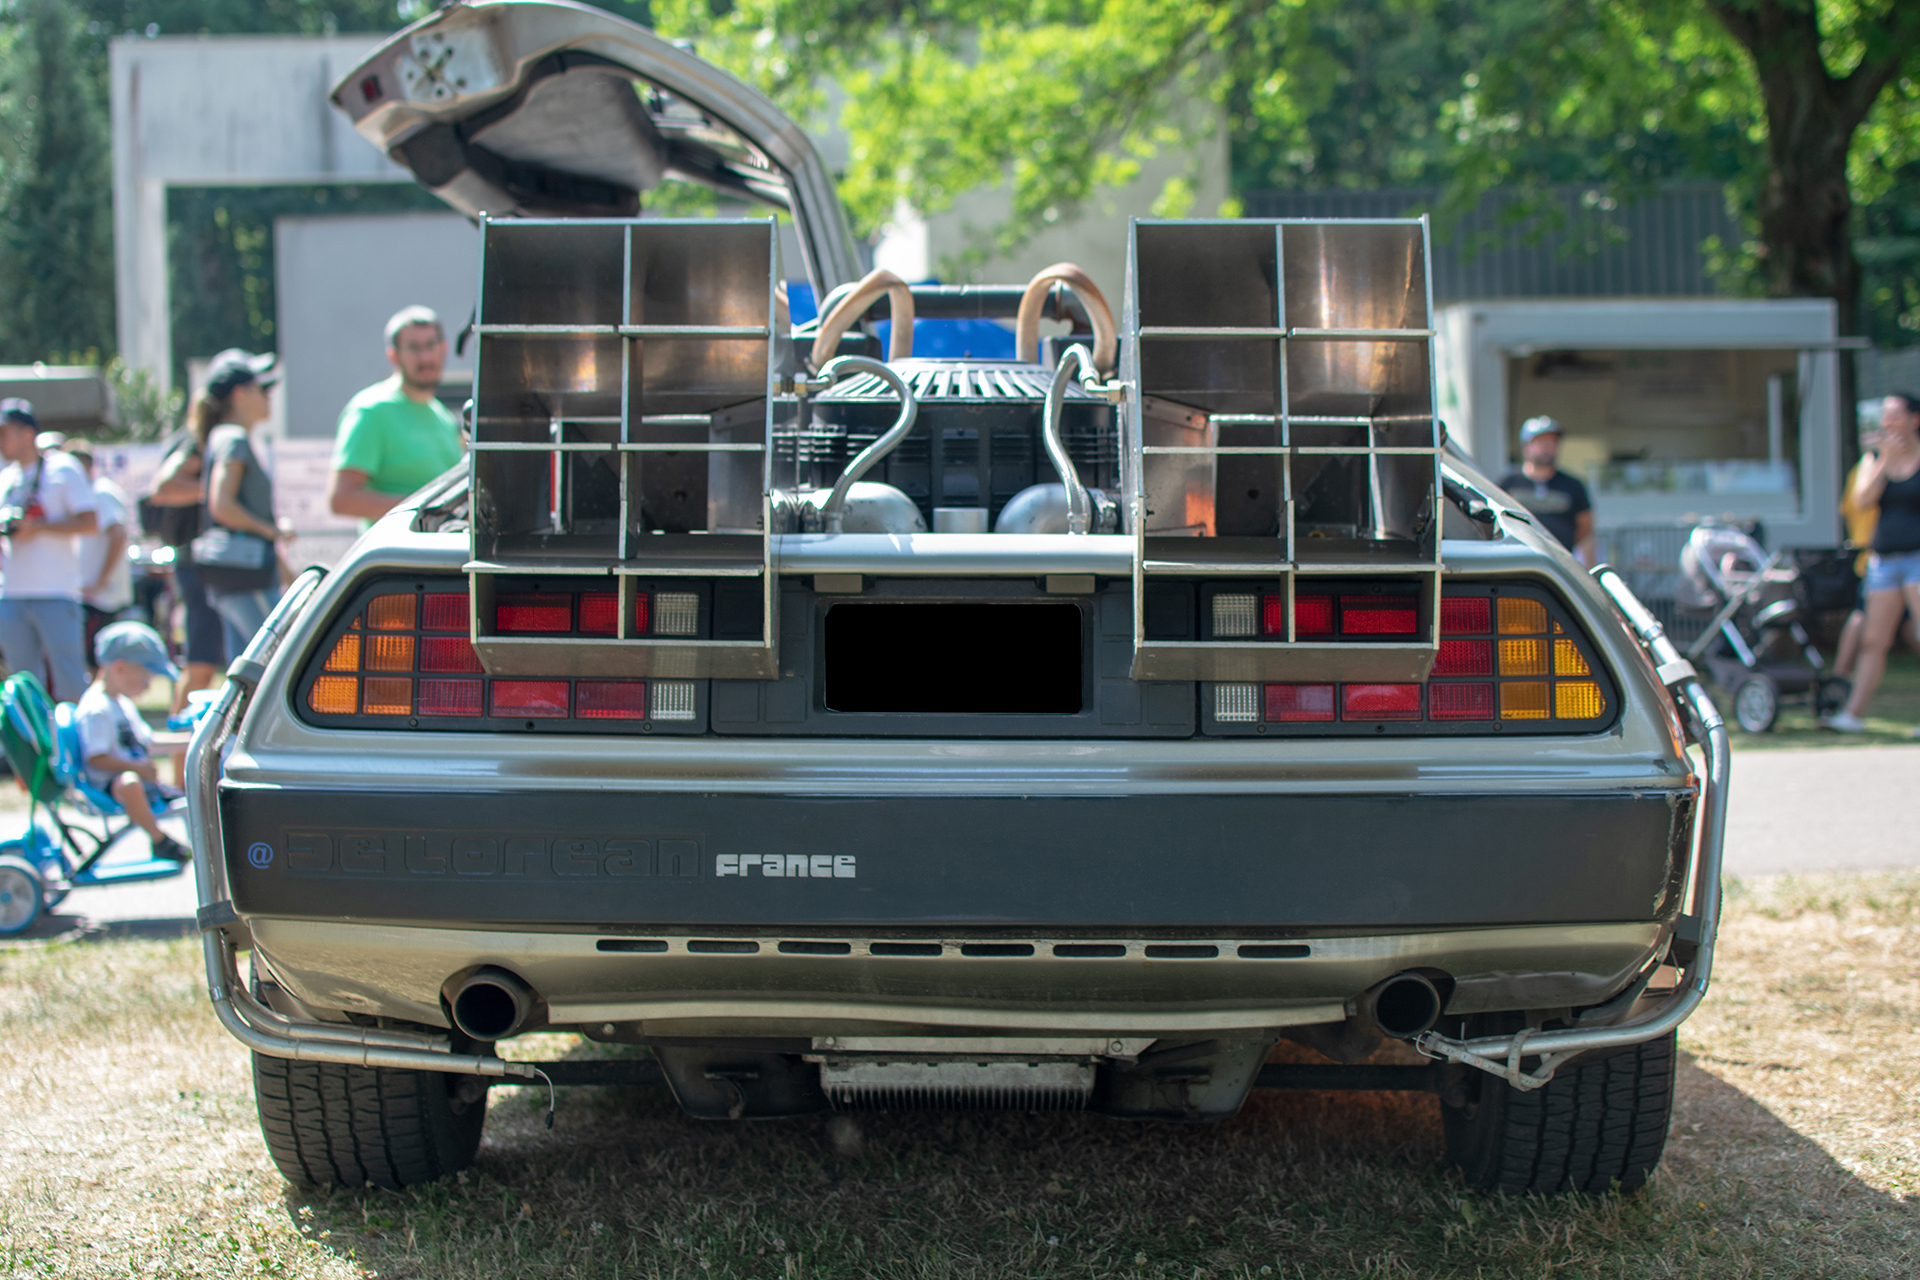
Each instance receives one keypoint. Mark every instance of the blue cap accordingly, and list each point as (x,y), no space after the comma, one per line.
(14,409)
(1533,428)
(134,642)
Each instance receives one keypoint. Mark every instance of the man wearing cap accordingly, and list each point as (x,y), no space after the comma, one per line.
(396,435)
(1557,500)
(46,505)
(115,741)
(106,577)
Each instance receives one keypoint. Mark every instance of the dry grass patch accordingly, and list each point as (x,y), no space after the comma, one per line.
(131,1148)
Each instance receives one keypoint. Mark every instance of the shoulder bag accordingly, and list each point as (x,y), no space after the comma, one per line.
(229,559)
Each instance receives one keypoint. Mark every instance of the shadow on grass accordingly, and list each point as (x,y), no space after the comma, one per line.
(1306,1185)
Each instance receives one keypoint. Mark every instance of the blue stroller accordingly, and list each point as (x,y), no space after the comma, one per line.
(41,866)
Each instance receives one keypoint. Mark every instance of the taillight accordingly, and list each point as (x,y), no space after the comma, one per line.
(544,614)
(1509,659)
(388,666)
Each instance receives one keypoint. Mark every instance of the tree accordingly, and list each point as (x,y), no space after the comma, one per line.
(1798,103)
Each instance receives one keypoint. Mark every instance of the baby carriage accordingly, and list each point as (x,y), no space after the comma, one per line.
(1754,645)
(41,866)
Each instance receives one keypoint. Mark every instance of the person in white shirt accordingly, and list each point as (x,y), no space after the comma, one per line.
(46,503)
(114,738)
(106,577)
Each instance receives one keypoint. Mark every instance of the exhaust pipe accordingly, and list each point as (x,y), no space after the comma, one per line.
(1403,1006)
(492,1004)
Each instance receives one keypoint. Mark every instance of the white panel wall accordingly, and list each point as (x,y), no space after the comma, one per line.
(338,279)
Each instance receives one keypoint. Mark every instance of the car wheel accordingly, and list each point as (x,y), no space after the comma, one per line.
(20,895)
(1756,703)
(330,1125)
(1599,1123)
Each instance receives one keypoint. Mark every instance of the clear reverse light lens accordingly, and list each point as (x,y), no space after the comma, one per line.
(1236,703)
(676,613)
(1233,616)
(672,700)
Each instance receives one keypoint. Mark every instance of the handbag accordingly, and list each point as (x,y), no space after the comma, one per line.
(229,560)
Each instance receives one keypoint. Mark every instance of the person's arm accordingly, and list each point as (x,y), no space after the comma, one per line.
(108,762)
(223,502)
(178,481)
(1586,547)
(1871,481)
(75,496)
(348,495)
(116,552)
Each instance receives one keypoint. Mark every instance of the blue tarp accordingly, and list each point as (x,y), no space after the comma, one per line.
(952,339)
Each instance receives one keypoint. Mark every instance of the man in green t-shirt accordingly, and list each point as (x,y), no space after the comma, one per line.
(396,435)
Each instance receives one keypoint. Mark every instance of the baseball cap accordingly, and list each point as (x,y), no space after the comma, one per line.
(133,642)
(47,441)
(236,368)
(1540,426)
(14,409)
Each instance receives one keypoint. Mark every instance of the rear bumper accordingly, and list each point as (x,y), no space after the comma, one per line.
(1234,865)
(742,985)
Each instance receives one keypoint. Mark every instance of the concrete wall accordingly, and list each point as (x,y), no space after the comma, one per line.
(338,280)
(217,111)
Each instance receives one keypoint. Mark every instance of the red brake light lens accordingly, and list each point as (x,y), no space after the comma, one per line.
(610,699)
(1380,702)
(1460,701)
(1273,615)
(530,698)
(513,615)
(1464,658)
(599,613)
(640,613)
(1313,615)
(1299,702)
(451,697)
(1378,616)
(1465,615)
(443,612)
(448,654)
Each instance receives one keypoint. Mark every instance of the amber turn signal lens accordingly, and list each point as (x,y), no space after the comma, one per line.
(389,653)
(1577,700)
(387,696)
(1523,657)
(1567,660)
(335,696)
(1523,701)
(1520,616)
(345,655)
(391,613)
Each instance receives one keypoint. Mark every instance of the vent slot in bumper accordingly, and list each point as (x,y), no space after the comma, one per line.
(957,1086)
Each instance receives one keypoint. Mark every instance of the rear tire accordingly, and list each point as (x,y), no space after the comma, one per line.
(329,1125)
(21,895)
(1756,704)
(1597,1124)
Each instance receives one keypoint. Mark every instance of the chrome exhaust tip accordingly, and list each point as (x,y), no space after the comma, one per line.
(1402,1006)
(492,1004)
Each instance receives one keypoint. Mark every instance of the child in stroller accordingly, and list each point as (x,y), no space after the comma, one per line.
(1754,644)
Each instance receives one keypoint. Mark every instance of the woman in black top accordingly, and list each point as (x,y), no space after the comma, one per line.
(1890,480)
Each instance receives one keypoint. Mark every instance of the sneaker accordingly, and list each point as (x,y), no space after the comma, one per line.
(1841,722)
(172,850)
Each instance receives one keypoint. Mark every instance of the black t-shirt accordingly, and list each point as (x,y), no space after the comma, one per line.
(1899,529)
(1554,502)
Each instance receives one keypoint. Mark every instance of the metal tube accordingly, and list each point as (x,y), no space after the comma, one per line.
(833,511)
(1501,1055)
(1079,506)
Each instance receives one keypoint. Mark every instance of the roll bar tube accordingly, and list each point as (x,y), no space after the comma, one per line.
(253,1024)
(1502,1055)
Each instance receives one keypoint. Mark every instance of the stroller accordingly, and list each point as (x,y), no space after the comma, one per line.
(1753,645)
(41,866)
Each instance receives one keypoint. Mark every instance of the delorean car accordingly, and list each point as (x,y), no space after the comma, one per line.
(837,727)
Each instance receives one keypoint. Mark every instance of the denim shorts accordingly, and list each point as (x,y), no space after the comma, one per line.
(1892,572)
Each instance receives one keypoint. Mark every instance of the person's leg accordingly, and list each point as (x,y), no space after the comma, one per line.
(1883,620)
(246,611)
(1849,649)
(20,638)
(63,630)
(131,792)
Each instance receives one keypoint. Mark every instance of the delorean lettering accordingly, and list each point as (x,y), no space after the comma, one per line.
(377,853)
(816,866)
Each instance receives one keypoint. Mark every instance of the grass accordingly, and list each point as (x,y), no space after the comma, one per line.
(130,1147)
